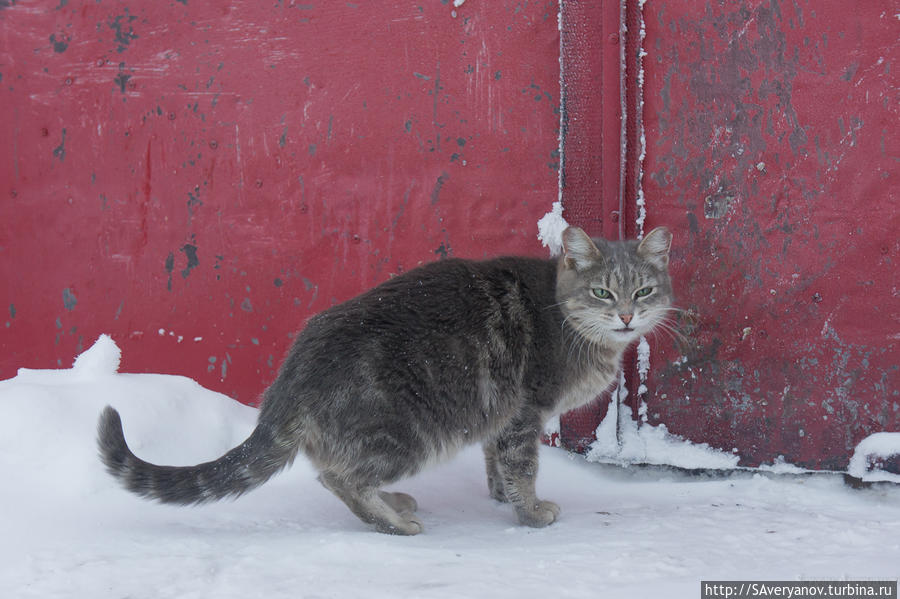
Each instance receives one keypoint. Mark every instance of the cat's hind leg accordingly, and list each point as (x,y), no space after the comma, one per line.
(494,478)
(374,507)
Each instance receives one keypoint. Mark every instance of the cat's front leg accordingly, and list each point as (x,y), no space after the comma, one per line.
(517,462)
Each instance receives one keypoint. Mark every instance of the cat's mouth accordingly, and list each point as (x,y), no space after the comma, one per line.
(624,330)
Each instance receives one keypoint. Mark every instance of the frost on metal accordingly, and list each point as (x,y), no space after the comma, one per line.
(640,201)
(864,463)
(643,367)
(562,110)
(551,227)
(621,441)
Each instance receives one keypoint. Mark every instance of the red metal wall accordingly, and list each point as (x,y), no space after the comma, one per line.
(771,151)
(197,179)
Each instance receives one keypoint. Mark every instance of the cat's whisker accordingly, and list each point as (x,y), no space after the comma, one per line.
(673,333)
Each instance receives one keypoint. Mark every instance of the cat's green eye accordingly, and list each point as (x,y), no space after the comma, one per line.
(643,292)
(601,293)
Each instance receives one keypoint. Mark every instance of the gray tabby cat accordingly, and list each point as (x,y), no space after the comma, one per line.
(451,353)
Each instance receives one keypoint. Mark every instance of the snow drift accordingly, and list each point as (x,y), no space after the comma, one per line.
(70,530)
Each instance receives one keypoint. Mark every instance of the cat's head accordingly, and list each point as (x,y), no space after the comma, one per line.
(613,292)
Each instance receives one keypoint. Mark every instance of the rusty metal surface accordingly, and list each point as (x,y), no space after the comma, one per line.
(772,151)
(198,179)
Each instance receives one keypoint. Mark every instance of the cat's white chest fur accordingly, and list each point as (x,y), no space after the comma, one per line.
(585,388)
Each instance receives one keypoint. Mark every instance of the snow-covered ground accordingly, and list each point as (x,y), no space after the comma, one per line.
(68,530)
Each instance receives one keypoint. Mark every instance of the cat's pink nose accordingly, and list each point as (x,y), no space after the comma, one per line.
(626,318)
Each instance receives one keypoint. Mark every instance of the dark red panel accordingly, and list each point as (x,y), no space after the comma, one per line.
(590,182)
(198,179)
(772,152)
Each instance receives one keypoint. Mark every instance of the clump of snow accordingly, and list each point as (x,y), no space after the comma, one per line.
(643,358)
(621,440)
(781,466)
(102,358)
(551,427)
(551,431)
(874,447)
(551,227)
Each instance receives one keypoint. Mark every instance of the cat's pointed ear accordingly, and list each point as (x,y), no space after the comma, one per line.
(579,251)
(654,248)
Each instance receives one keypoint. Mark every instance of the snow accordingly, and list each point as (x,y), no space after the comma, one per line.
(551,427)
(877,446)
(551,227)
(643,366)
(70,531)
(781,466)
(643,358)
(622,441)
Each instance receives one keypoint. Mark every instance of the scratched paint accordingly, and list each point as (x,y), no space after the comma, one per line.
(226,173)
(765,150)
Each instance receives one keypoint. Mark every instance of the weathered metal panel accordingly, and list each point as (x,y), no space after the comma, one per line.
(772,151)
(197,179)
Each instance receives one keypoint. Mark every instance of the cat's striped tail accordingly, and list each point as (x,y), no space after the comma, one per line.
(242,469)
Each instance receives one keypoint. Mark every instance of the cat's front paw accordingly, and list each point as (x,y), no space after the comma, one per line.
(406,525)
(401,502)
(539,514)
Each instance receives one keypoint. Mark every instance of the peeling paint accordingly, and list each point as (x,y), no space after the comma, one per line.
(124,37)
(190,251)
(69,299)
(60,150)
(61,43)
(436,190)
